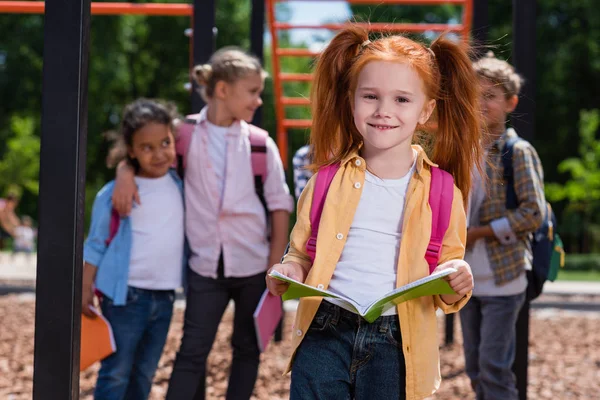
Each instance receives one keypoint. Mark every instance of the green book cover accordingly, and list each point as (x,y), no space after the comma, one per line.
(427,286)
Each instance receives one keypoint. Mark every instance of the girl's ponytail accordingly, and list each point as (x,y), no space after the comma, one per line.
(457,146)
(330,99)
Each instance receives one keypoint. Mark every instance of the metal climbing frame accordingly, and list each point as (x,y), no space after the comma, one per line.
(280,77)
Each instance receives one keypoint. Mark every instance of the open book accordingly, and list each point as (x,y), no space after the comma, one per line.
(428,286)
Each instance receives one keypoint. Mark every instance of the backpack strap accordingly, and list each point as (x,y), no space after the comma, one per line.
(322,183)
(258,158)
(113,228)
(185,130)
(441,195)
(508,175)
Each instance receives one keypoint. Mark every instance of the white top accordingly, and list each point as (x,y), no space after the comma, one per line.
(217,149)
(157,235)
(24,238)
(368,265)
(477,255)
(233,223)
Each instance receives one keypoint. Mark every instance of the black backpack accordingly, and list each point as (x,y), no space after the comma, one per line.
(546,245)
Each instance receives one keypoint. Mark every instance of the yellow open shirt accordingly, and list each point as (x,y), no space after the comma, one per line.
(418,320)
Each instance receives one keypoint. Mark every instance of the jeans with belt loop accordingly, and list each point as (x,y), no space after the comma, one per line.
(344,357)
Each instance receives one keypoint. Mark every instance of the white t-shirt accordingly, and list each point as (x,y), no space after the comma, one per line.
(367,267)
(217,149)
(157,235)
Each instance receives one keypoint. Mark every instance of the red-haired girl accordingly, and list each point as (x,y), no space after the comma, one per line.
(368,99)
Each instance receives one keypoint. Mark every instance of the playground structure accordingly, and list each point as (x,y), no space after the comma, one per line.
(64,131)
(280,77)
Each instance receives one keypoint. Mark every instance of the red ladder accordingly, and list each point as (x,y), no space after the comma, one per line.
(279,77)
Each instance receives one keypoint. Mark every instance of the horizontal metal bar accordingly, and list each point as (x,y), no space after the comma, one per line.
(295,101)
(297,52)
(158,9)
(376,27)
(286,77)
(297,123)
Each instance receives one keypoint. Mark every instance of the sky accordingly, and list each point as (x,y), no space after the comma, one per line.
(309,12)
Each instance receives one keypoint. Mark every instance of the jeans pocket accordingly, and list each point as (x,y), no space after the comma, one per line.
(320,322)
(132,295)
(393,334)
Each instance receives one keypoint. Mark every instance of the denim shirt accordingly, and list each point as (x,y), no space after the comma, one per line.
(112,261)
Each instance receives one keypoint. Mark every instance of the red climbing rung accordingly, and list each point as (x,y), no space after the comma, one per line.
(295,101)
(104,8)
(297,123)
(296,77)
(296,52)
(376,27)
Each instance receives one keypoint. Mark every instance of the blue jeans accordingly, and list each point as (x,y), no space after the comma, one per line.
(140,329)
(488,326)
(344,357)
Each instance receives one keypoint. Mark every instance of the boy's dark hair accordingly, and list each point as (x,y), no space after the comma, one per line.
(135,116)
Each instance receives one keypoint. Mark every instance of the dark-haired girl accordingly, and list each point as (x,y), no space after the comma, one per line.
(137,269)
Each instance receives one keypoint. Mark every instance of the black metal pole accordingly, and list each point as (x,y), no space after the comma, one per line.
(524,35)
(523,120)
(257,35)
(481,27)
(203,41)
(61,200)
(521,364)
(449,329)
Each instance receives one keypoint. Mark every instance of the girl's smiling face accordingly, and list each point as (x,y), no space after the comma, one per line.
(389,102)
(153,146)
(243,97)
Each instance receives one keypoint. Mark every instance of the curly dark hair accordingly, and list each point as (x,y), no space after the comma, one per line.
(135,116)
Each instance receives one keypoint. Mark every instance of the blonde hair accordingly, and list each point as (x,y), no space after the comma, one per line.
(500,73)
(228,64)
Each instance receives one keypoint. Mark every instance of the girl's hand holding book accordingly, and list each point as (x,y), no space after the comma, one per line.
(292,270)
(87,301)
(460,281)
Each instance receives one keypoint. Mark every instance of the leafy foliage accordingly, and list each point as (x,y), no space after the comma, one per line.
(132,56)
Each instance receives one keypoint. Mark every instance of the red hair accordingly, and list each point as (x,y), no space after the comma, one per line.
(448,77)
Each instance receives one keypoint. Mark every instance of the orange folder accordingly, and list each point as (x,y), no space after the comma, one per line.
(97,340)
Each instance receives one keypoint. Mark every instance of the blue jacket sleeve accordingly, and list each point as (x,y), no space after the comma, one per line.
(95,244)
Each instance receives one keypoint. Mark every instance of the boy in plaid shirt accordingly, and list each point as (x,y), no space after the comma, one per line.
(498,245)
(302,174)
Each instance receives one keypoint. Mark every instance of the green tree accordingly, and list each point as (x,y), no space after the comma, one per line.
(581,192)
(19,169)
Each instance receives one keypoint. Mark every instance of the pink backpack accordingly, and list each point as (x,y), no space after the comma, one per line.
(185,130)
(441,194)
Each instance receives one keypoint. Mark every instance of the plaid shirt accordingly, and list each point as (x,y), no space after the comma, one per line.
(300,161)
(510,255)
